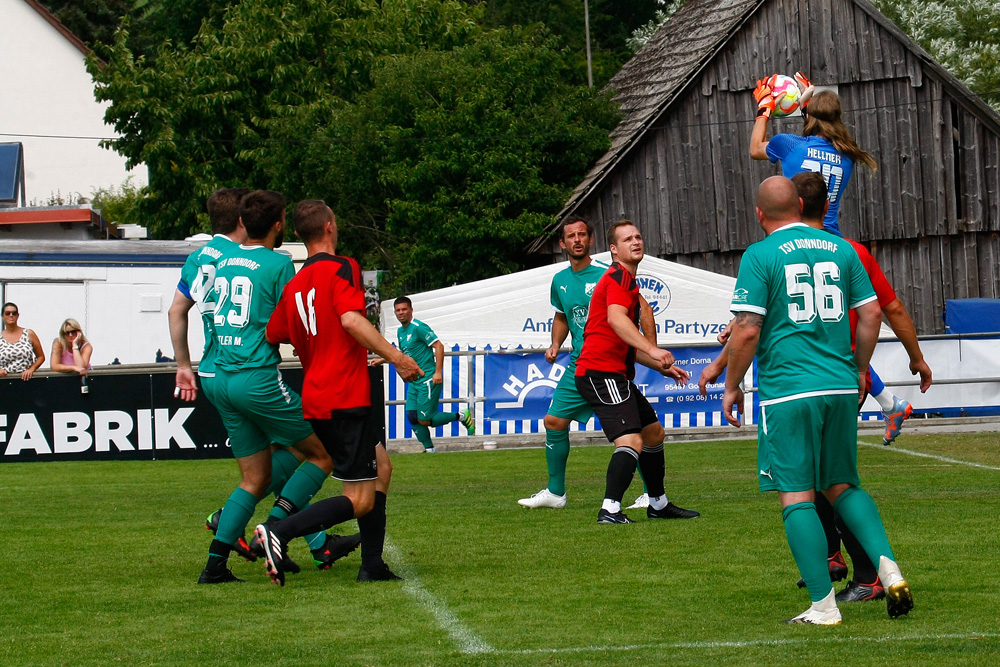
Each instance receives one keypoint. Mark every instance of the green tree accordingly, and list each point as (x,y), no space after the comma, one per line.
(611,24)
(202,116)
(153,21)
(93,21)
(645,32)
(442,148)
(455,160)
(962,36)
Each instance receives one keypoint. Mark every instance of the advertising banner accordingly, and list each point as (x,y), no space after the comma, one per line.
(519,388)
(120,417)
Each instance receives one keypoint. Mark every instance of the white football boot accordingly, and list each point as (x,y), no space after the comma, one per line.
(898,598)
(640,503)
(824,612)
(544,498)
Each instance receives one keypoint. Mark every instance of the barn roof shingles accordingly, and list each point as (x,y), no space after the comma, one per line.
(645,86)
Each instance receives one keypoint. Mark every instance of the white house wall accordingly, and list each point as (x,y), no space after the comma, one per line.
(123,310)
(46,97)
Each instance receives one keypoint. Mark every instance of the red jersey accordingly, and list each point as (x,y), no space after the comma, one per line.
(602,349)
(883,290)
(308,316)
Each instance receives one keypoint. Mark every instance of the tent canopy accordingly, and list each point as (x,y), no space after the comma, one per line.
(690,306)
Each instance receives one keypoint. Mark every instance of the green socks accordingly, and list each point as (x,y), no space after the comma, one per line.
(315,540)
(645,488)
(442,418)
(235,515)
(423,435)
(556,455)
(808,543)
(283,466)
(858,511)
(298,490)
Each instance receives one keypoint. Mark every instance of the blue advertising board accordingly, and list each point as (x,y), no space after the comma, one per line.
(519,387)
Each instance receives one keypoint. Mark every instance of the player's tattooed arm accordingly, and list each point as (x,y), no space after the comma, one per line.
(748,319)
(742,346)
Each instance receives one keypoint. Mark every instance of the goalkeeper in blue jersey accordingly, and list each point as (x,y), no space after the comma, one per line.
(825,147)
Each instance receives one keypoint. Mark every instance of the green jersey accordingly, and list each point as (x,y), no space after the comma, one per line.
(249,280)
(570,295)
(803,281)
(415,340)
(198,284)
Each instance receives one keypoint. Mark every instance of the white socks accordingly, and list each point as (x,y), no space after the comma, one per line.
(658,503)
(888,571)
(886,400)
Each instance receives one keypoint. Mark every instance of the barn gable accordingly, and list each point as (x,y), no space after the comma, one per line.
(679,162)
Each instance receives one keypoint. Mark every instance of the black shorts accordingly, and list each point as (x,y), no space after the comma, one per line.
(350,441)
(617,402)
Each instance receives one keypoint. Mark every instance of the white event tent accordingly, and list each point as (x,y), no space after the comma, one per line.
(514,310)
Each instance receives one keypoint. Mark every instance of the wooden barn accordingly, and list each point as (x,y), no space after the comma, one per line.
(679,163)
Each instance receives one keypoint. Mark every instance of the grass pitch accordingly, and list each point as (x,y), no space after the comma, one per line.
(99,562)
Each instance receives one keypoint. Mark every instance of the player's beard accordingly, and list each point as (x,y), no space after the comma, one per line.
(576,256)
(279,239)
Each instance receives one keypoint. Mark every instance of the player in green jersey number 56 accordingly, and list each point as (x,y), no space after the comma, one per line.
(792,295)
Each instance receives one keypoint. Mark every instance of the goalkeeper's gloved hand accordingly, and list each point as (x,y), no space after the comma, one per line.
(764,94)
(807,88)
(764,87)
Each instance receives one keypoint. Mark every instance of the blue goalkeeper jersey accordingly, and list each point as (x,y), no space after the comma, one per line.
(799,154)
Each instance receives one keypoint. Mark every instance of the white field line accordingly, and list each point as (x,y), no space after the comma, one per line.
(467,640)
(929,456)
(753,642)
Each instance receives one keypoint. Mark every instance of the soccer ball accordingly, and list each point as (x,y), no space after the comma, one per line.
(790,102)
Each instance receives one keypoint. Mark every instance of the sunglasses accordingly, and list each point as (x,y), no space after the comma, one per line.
(70,332)
(10,312)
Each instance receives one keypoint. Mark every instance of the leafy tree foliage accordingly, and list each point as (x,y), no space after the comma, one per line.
(153,21)
(443,148)
(455,160)
(93,21)
(611,24)
(203,116)
(962,36)
(645,32)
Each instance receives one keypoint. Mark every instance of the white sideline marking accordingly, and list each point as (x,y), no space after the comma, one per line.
(471,643)
(929,456)
(467,640)
(752,642)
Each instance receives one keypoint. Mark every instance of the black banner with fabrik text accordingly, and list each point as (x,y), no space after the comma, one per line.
(127,416)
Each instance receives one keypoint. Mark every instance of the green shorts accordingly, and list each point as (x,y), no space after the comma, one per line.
(808,443)
(207,384)
(567,403)
(422,397)
(258,409)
